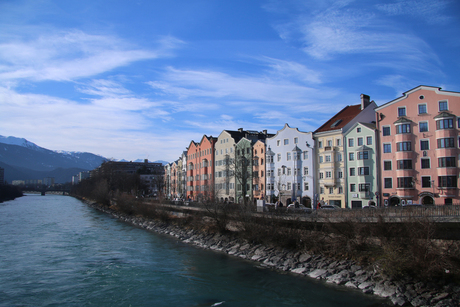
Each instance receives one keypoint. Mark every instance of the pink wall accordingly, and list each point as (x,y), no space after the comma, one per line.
(387,115)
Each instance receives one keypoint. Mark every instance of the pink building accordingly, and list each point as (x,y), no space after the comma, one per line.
(200,168)
(419,147)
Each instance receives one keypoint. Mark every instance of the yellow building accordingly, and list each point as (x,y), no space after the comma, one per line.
(331,163)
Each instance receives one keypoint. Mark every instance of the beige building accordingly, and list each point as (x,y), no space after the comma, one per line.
(331,161)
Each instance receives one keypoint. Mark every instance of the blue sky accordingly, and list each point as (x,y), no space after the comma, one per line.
(141,79)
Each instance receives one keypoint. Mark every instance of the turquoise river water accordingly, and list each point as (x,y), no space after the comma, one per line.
(56,251)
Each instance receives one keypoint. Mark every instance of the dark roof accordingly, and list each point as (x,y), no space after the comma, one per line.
(341,119)
(238,135)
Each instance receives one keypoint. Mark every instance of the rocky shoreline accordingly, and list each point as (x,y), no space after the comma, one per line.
(406,292)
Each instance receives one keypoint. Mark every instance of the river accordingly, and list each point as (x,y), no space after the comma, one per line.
(56,251)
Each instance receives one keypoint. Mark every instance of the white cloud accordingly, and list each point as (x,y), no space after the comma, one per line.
(423,10)
(71,55)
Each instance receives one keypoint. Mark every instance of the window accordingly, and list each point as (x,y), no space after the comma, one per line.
(425,163)
(288,186)
(278,142)
(403,146)
(443,106)
(352,171)
(423,126)
(320,144)
(360,142)
(358,130)
(447,181)
(331,190)
(286,141)
(388,183)
(296,140)
(386,148)
(363,155)
(447,123)
(422,109)
(458,122)
(328,158)
(288,156)
(386,130)
(426,182)
(446,162)
(305,155)
(424,145)
(369,140)
(364,187)
(289,171)
(321,175)
(338,140)
(339,174)
(404,164)
(363,171)
(446,143)
(404,182)
(320,159)
(306,187)
(329,143)
(351,156)
(340,190)
(387,165)
(403,128)
(351,142)
(352,187)
(305,171)
(339,157)
(278,156)
(328,174)
(401,111)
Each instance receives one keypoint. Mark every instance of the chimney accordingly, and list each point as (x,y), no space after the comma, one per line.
(240,129)
(365,101)
(265,132)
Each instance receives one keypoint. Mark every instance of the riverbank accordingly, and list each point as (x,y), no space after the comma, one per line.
(403,292)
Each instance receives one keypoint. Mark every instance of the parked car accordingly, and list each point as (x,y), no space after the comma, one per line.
(298,208)
(330,207)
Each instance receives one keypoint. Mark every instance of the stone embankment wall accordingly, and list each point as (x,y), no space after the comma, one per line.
(405,292)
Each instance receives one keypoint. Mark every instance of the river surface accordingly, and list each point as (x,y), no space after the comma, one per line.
(56,251)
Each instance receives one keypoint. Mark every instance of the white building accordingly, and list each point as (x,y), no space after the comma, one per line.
(290,166)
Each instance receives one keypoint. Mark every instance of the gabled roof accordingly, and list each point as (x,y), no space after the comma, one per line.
(341,119)
(438,90)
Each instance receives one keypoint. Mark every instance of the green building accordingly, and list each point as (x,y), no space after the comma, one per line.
(361,159)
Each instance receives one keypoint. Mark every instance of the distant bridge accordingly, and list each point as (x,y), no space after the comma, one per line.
(47,191)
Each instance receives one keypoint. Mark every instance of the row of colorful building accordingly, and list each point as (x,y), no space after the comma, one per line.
(405,151)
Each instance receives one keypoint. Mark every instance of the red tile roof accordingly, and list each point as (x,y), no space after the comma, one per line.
(342,118)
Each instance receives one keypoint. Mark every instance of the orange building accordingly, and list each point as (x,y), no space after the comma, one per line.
(200,168)
(419,147)
(258,165)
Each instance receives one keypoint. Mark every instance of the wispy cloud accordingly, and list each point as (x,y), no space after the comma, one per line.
(431,12)
(71,55)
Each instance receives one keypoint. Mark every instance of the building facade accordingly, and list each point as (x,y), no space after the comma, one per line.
(200,169)
(330,155)
(362,184)
(258,169)
(290,166)
(419,147)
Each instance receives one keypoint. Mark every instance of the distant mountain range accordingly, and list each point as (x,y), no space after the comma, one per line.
(24,160)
